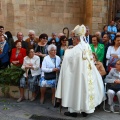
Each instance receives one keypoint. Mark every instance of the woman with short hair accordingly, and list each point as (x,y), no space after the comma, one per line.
(97,48)
(113,77)
(31,65)
(4,49)
(17,55)
(41,47)
(50,69)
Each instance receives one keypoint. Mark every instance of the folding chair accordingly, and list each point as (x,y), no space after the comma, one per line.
(115,103)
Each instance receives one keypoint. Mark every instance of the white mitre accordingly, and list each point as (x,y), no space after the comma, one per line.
(80,31)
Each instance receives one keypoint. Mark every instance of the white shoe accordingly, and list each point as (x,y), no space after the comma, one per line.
(111,108)
(20,99)
(32,99)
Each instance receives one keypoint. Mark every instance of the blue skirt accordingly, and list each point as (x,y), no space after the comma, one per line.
(47,83)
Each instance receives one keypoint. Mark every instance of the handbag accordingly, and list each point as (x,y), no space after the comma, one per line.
(113,86)
(111,64)
(51,75)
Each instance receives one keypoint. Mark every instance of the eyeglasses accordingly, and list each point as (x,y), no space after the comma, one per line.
(53,42)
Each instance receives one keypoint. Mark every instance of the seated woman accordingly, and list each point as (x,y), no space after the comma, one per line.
(113,52)
(51,65)
(113,77)
(31,65)
(97,48)
(99,65)
(18,55)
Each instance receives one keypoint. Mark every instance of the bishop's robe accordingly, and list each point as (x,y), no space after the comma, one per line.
(80,85)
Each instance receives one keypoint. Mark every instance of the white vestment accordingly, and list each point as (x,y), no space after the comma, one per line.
(80,85)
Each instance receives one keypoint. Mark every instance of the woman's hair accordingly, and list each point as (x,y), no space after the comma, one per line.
(51,46)
(62,38)
(104,26)
(9,35)
(113,43)
(95,56)
(28,51)
(44,35)
(3,36)
(17,42)
(50,42)
(118,61)
(96,37)
(107,35)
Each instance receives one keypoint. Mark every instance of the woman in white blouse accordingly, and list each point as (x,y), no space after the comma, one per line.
(31,65)
(50,64)
(113,51)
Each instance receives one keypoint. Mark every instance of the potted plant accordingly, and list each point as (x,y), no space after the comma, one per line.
(10,76)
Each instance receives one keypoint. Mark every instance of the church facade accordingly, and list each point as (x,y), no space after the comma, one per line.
(47,16)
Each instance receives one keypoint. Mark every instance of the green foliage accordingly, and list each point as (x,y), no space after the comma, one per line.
(5,89)
(11,76)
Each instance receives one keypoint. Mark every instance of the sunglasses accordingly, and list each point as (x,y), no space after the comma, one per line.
(45,38)
(64,40)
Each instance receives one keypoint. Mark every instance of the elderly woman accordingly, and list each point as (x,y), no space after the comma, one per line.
(99,65)
(31,65)
(4,49)
(113,77)
(50,68)
(18,55)
(97,48)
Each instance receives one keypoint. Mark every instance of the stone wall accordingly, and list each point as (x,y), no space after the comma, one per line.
(40,15)
(52,15)
(100,14)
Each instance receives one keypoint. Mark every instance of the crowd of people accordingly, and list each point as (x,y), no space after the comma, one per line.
(41,59)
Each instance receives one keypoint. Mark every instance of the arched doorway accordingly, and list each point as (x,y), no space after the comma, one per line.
(117,10)
(114,10)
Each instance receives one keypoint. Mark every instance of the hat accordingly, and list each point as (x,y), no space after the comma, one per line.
(80,30)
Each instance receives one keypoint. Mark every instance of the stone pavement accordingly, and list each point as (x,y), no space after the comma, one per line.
(11,110)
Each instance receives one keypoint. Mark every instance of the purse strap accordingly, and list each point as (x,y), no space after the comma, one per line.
(112,60)
(54,62)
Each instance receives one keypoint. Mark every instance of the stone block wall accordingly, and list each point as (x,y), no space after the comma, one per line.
(52,15)
(40,15)
(100,15)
